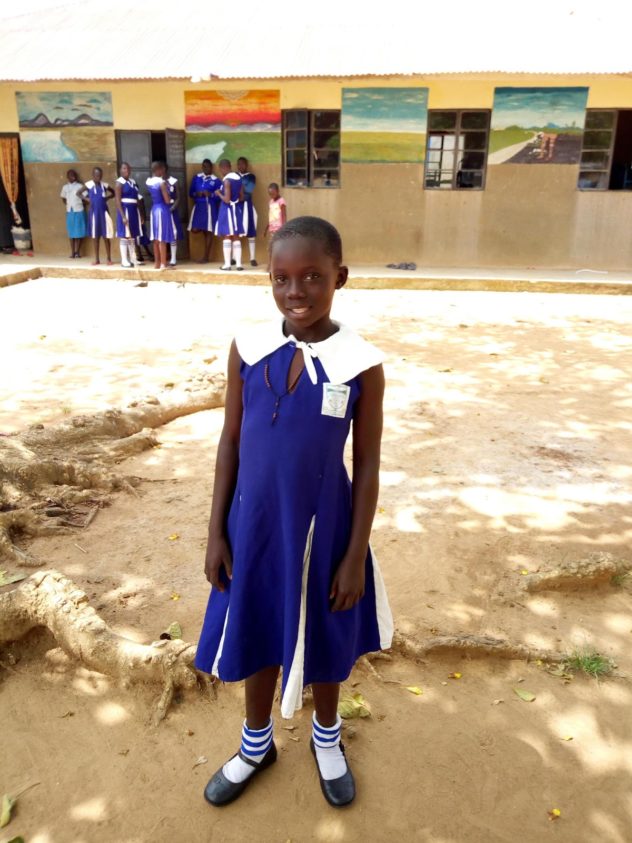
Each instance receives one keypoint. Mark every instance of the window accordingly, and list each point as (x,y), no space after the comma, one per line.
(456,150)
(311,148)
(606,160)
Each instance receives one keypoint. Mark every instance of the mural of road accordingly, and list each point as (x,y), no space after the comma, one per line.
(566,149)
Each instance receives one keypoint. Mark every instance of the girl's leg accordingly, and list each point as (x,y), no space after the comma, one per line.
(78,242)
(260,688)
(72,247)
(326,695)
(162,249)
(157,246)
(208,242)
(97,246)
(108,249)
(237,252)
(336,779)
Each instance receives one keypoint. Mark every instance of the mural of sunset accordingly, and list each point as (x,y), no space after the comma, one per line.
(232,111)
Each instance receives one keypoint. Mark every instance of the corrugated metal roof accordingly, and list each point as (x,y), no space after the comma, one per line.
(156,39)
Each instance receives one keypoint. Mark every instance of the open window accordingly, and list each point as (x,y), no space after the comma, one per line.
(456,149)
(311,148)
(606,160)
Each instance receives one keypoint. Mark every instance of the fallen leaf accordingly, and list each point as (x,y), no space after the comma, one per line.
(68,714)
(381,509)
(454,675)
(414,690)
(5,810)
(16,840)
(524,695)
(6,578)
(445,370)
(289,728)
(174,536)
(444,683)
(42,336)
(354,706)
(174,630)
(123,751)
(190,732)
(554,814)
(497,702)
(524,572)
(567,738)
(201,760)
(294,738)
(175,595)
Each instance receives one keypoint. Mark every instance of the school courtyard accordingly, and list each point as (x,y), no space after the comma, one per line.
(506,456)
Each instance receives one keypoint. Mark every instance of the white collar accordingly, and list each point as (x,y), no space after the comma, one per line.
(232,176)
(89,184)
(343,355)
(172,180)
(154,180)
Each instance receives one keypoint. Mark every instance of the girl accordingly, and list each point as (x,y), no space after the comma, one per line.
(162,228)
(71,196)
(128,220)
(248,209)
(174,193)
(98,194)
(204,187)
(277,211)
(295,583)
(229,220)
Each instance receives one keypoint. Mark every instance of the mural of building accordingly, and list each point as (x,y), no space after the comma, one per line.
(425,166)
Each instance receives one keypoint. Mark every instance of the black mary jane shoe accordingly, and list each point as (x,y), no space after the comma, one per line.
(221,791)
(338,792)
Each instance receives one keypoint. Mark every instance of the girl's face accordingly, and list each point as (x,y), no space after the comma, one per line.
(125,171)
(97,175)
(71,176)
(304,279)
(273,193)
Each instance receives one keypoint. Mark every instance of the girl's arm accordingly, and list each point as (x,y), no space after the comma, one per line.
(217,551)
(119,204)
(348,585)
(164,189)
(109,193)
(176,201)
(283,213)
(226,196)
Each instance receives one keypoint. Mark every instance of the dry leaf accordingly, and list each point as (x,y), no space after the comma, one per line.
(289,728)
(454,675)
(381,509)
(444,683)
(497,702)
(524,695)
(554,814)
(294,738)
(354,706)
(123,751)
(5,810)
(524,572)
(174,536)
(16,840)
(201,760)
(7,579)
(190,732)
(174,630)
(566,738)
(175,595)
(68,714)
(414,690)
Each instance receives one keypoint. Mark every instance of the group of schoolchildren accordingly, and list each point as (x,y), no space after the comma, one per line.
(222,206)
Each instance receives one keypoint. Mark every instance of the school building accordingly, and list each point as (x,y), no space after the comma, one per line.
(423,139)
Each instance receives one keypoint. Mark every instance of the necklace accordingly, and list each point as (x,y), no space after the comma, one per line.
(277,398)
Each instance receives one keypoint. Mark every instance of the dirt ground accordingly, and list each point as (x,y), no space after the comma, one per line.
(506,449)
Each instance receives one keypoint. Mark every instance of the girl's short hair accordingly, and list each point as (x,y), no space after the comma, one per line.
(274,185)
(312,228)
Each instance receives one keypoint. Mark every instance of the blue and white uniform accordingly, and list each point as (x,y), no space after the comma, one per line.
(129,226)
(161,223)
(248,209)
(205,208)
(99,219)
(290,521)
(230,217)
(177,222)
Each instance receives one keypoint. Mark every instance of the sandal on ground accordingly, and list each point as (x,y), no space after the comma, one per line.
(221,791)
(340,791)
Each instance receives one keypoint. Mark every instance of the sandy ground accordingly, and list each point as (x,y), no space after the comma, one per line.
(506,448)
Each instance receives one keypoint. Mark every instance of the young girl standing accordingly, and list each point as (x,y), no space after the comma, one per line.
(128,220)
(229,224)
(174,193)
(161,225)
(277,211)
(71,195)
(295,583)
(205,205)
(248,209)
(98,194)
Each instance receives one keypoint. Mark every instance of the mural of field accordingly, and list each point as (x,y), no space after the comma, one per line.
(52,146)
(384,125)
(227,124)
(537,125)
(52,109)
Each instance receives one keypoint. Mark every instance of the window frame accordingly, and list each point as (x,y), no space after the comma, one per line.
(610,151)
(310,148)
(456,133)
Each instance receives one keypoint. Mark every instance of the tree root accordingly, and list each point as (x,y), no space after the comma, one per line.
(595,569)
(51,600)
(471,645)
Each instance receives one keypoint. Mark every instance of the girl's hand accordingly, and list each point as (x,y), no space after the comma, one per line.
(218,556)
(348,585)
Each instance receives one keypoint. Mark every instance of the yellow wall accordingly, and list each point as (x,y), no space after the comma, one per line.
(526,216)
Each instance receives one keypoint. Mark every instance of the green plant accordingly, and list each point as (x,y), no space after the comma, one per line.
(589,662)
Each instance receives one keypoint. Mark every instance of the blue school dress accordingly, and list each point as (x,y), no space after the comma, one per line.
(99,219)
(249,212)
(290,522)
(230,217)
(129,226)
(161,223)
(177,222)
(205,208)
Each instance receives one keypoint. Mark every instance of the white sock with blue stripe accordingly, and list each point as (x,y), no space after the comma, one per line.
(331,761)
(254,745)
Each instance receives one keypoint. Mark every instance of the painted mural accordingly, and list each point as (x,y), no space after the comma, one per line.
(53,109)
(58,146)
(384,125)
(227,124)
(537,125)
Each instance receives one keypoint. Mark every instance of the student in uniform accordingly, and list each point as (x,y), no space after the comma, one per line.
(98,193)
(205,205)
(161,225)
(229,224)
(71,196)
(174,193)
(128,219)
(248,209)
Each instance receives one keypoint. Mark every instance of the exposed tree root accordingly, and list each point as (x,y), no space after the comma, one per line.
(472,645)
(595,569)
(49,599)
(45,473)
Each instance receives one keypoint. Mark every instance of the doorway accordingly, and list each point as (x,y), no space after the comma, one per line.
(6,216)
(139,147)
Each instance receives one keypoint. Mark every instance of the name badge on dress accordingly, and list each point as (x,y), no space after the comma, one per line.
(335,400)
